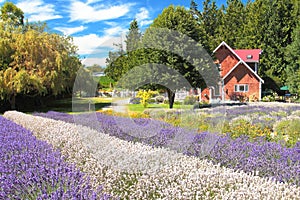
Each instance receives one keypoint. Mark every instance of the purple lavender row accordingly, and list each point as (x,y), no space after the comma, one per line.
(267,159)
(31,169)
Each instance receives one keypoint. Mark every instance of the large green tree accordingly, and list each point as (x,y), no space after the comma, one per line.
(170,55)
(174,40)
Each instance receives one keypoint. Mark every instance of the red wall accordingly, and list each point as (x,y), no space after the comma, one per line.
(241,75)
(226,59)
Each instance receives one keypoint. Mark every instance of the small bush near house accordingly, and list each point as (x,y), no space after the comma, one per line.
(190,100)
(268,98)
(159,99)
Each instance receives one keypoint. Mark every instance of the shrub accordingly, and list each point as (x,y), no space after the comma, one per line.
(145,96)
(190,100)
(159,99)
(287,130)
(135,100)
(244,127)
(268,98)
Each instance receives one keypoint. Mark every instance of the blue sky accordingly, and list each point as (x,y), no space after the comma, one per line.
(95,25)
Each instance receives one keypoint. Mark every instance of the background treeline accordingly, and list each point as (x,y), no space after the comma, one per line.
(36,65)
(271,25)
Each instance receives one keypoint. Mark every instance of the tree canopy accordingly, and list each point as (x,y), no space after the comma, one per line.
(33,61)
(170,55)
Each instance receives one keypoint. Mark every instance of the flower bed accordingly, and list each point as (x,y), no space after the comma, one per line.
(267,159)
(31,169)
(140,171)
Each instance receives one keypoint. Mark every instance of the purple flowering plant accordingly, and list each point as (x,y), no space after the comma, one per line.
(32,169)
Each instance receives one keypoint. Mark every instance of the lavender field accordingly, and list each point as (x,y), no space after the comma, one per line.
(105,156)
(32,169)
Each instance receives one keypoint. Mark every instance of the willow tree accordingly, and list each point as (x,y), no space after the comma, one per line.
(36,62)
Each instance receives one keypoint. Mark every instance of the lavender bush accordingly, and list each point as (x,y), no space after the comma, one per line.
(267,159)
(31,169)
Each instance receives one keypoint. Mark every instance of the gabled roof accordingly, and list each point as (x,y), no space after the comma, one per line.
(247,66)
(229,48)
(248,55)
(241,61)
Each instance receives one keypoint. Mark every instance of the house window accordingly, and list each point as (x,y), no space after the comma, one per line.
(241,88)
(217,90)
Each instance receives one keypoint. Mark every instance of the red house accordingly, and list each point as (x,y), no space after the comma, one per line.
(239,79)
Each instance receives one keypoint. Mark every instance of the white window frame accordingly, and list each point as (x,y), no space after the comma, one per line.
(217,88)
(237,87)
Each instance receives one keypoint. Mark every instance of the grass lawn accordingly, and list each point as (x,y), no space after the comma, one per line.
(140,108)
(65,105)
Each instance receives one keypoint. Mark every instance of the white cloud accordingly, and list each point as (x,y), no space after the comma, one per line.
(143,14)
(80,11)
(70,31)
(43,17)
(92,61)
(93,1)
(146,22)
(93,44)
(38,10)
(118,30)
(143,17)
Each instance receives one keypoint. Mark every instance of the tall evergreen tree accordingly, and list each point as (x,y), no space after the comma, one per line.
(120,61)
(210,19)
(278,24)
(253,31)
(194,9)
(133,37)
(232,22)
(292,54)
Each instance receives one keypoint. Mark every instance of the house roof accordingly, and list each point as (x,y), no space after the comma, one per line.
(247,66)
(248,55)
(241,61)
(229,48)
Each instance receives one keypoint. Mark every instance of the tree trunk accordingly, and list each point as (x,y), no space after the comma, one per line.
(12,101)
(171,96)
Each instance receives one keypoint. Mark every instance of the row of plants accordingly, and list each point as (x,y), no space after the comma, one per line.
(133,170)
(240,152)
(32,169)
(276,122)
